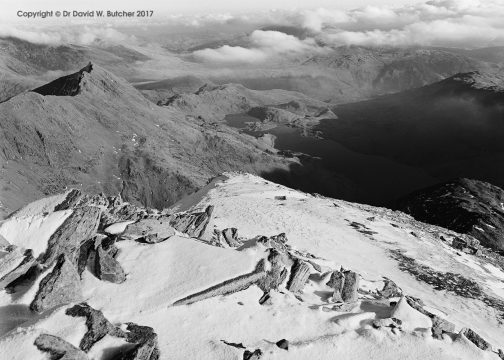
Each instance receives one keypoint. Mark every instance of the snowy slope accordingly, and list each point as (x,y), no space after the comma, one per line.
(374,242)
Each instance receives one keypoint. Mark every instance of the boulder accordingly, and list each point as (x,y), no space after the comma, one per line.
(97,325)
(230,235)
(67,239)
(58,348)
(300,272)
(146,344)
(61,286)
(277,242)
(345,284)
(390,290)
(14,265)
(477,340)
(255,355)
(150,231)
(192,224)
(336,282)
(283,344)
(277,273)
(107,268)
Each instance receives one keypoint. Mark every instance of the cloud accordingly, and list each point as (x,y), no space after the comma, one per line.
(467,23)
(79,35)
(263,46)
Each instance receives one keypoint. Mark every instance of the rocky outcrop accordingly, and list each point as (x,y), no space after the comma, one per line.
(97,325)
(69,85)
(107,268)
(192,224)
(466,206)
(61,286)
(150,231)
(473,337)
(80,226)
(278,242)
(298,276)
(283,344)
(146,344)
(345,284)
(252,355)
(58,348)
(230,236)
(390,290)
(15,264)
(227,287)
(277,273)
(440,326)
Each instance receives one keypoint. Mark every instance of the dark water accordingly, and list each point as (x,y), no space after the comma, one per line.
(333,170)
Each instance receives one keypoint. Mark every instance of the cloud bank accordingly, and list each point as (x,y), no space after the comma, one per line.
(79,35)
(263,46)
(461,23)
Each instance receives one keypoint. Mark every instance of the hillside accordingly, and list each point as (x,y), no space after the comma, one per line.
(96,132)
(243,269)
(463,205)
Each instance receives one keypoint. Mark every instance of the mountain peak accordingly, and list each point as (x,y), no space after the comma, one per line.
(69,85)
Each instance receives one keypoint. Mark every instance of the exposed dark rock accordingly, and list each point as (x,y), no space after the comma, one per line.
(336,281)
(500,353)
(283,344)
(390,290)
(345,284)
(67,239)
(71,199)
(265,299)
(65,86)
(277,273)
(25,262)
(107,268)
(58,349)
(150,231)
(298,276)
(146,340)
(119,212)
(229,286)
(475,339)
(236,345)
(280,197)
(230,235)
(59,287)
(277,242)
(450,282)
(98,326)
(193,224)
(249,355)
(388,322)
(466,206)
(87,254)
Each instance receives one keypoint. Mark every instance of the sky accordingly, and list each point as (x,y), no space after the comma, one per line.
(460,23)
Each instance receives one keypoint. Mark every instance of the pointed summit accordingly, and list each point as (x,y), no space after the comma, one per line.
(69,85)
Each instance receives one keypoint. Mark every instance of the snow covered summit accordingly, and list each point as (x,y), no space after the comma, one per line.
(242,269)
